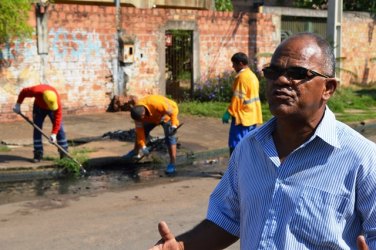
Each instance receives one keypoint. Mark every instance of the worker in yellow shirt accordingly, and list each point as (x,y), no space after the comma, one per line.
(148,113)
(245,106)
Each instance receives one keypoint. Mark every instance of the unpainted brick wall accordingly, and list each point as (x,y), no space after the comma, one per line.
(358,49)
(82,47)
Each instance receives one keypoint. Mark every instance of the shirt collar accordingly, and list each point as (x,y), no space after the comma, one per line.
(326,130)
(240,71)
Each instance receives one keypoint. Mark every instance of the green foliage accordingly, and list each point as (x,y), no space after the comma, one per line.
(215,89)
(213,109)
(351,104)
(14,15)
(354,103)
(348,5)
(207,109)
(80,155)
(223,5)
(4,148)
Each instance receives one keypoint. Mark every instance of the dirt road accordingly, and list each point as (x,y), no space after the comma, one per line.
(124,219)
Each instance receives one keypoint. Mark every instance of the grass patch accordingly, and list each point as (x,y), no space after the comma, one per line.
(354,104)
(208,109)
(4,148)
(73,166)
(350,104)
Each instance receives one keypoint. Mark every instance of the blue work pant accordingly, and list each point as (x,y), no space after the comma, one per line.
(169,139)
(237,132)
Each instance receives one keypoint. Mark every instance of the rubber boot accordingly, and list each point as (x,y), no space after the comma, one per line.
(62,155)
(170,170)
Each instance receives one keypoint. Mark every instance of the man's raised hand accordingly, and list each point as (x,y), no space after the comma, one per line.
(168,241)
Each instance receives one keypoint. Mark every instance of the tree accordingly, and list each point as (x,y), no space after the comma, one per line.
(223,5)
(349,5)
(14,15)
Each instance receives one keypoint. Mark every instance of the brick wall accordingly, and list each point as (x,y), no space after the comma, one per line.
(220,36)
(358,49)
(82,49)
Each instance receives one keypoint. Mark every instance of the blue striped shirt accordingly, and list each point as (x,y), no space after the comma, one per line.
(322,196)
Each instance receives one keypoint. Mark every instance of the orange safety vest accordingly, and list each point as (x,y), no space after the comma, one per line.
(245,104)
(159,109)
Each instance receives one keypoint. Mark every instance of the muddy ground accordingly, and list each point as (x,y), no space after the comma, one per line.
(104,218)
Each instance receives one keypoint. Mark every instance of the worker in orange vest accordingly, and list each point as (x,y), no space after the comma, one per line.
(148,113)
(245,106)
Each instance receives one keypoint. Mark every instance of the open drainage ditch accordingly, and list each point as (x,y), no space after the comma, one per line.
(30,186)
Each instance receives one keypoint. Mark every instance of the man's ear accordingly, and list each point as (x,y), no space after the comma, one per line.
(330,88)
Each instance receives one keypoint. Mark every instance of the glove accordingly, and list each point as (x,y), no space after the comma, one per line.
(145,150)
(172,130)
(130,155)
(226,117)
(17,108)
(53,138)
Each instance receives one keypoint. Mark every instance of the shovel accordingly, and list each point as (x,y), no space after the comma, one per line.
(54,143)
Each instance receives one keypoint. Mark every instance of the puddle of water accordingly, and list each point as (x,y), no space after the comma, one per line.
(109,178)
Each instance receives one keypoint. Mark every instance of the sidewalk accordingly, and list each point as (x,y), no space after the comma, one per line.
(198,136)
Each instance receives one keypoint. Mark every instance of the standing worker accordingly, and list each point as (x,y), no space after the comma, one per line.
(148,113)
(46,103)
(245,106)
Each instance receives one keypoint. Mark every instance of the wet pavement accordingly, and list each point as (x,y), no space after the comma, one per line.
(80,214)
(199,137)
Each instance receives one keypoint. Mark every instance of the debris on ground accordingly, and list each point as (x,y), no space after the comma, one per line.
(121,135)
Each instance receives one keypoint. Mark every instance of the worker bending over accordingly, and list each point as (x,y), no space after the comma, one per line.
(46,103)
(148,113)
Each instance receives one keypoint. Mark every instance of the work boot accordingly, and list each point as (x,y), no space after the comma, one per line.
(170,170)
(62,155)
(38,156)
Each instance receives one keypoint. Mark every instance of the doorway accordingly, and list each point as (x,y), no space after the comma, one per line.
(179,63)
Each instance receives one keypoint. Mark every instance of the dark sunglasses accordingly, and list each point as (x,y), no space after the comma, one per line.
(293,73)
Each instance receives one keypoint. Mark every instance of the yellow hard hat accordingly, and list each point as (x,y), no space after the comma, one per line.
(50,98)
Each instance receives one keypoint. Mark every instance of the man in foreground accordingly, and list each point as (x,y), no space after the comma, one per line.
(148,113)
(303,180)
(46,103)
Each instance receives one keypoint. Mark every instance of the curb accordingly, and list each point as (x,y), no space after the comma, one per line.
(51,171)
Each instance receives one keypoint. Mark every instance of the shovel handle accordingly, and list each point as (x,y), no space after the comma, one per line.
(54,143)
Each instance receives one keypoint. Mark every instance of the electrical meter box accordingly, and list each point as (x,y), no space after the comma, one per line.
(128,53)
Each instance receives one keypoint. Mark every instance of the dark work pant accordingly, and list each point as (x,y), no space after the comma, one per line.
(38,117)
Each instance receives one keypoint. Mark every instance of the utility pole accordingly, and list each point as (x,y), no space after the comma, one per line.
(334,30)
(41,13)
(118,71)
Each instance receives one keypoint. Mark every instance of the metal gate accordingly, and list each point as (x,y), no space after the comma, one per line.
(291,25)
(179,64)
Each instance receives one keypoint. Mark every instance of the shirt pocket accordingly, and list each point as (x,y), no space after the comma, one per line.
(317,220)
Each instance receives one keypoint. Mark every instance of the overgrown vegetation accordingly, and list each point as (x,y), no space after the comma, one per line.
(223,5)
(348,5)
(354,104)
(14,16)
(72,167)
(212,97)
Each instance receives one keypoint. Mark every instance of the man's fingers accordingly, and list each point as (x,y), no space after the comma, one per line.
(361,243)
(164,231)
